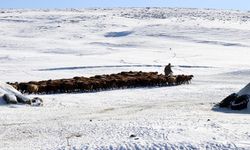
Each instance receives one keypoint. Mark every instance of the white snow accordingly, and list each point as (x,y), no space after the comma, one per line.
(213,45)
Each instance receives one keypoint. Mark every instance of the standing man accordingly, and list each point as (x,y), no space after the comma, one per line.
(168,71)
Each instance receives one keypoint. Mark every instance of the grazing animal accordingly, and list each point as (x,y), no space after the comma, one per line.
(68,86)
(14,85)
(53,87)
(23,87)
(180,79)
(42,88)
(32,88)
(189,78)
(171,80)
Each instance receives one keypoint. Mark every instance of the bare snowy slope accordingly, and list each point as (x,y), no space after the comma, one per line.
(48,44)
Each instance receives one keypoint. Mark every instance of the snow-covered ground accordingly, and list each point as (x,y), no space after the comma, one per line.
(213,45)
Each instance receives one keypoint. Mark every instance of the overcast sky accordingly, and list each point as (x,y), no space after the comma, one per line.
(223,4)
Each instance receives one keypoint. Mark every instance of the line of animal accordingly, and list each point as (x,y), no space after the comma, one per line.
(102,82)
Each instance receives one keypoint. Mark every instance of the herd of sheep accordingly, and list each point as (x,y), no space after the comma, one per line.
(101,82)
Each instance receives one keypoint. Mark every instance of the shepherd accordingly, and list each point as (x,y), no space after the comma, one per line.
(168,71)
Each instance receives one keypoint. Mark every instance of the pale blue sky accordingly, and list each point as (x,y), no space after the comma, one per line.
(224,4)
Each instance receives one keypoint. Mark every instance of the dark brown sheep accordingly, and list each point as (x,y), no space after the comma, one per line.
(68,86)
(42,88)
(14,85)
(23,87)
(32,88)
(171,80)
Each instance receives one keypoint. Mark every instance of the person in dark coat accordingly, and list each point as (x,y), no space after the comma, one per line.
(168,71)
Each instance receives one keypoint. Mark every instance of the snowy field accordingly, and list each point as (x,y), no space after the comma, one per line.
(213,45)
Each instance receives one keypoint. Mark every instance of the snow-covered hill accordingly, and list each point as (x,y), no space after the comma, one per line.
(48,44)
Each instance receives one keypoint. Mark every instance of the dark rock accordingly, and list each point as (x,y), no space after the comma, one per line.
(132,136)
